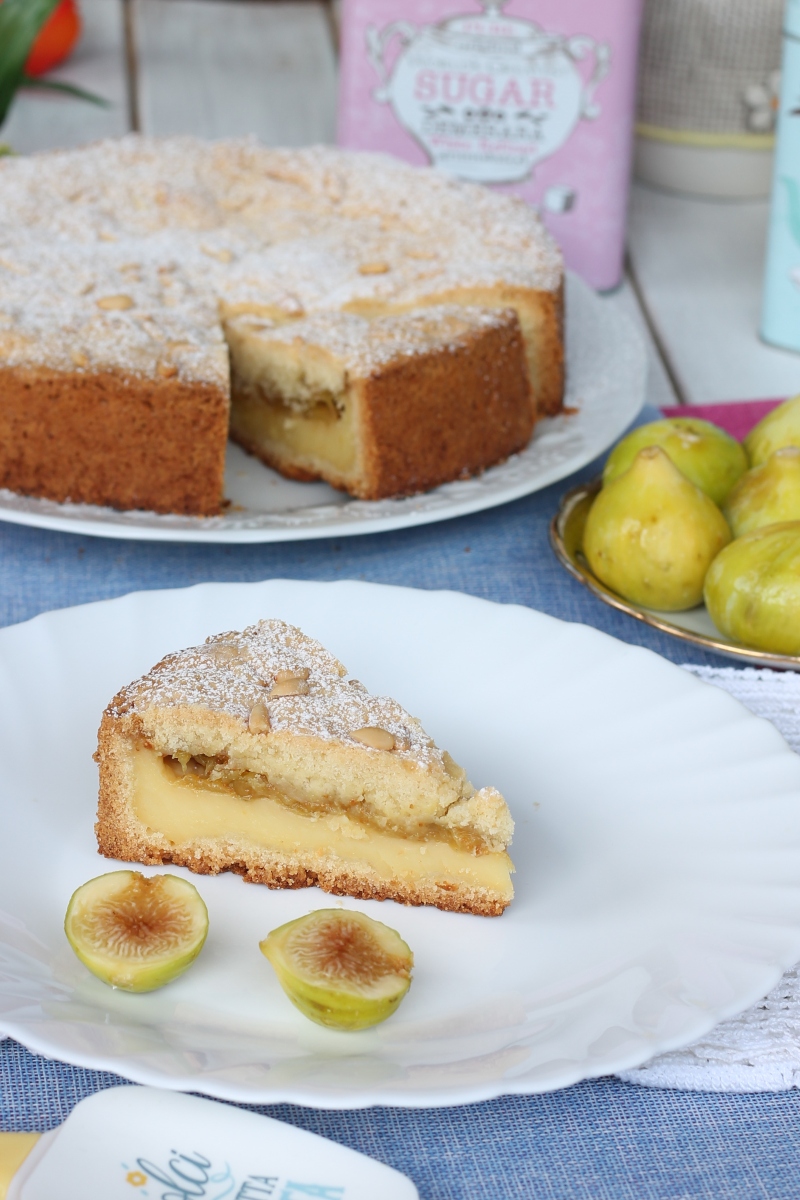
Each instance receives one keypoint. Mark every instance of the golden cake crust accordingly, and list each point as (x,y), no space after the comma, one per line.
(450,415)
(89,439)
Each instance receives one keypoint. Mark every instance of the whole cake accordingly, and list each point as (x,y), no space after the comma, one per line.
(130,267)
(257,753)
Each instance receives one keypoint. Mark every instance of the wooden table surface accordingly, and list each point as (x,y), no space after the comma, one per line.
(231,67)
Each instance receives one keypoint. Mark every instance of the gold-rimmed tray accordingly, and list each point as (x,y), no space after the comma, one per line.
(694,626)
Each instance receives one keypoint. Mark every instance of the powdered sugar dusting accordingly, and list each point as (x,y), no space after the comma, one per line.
(242,228)
(231,672)
(131,306)
(364,346)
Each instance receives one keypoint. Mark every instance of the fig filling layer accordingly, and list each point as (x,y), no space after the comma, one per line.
(189,802)
(205,772)
(319,428)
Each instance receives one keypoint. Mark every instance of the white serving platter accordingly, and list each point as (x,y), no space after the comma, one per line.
(657,850)
(606,376)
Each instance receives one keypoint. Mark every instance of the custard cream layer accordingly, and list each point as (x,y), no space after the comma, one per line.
(184,810)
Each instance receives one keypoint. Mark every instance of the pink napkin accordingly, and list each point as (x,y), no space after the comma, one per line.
(737,417)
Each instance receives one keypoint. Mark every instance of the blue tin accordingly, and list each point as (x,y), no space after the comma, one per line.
(781,313)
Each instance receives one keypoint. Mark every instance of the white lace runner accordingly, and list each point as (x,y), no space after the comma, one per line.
(758,1051)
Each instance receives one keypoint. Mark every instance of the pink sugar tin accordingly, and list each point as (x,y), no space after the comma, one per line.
(530,96)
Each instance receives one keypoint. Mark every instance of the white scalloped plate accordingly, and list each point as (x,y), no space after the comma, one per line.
(657,852)
(607,370)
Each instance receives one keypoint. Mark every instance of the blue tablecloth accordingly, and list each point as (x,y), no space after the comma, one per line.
(602,1140)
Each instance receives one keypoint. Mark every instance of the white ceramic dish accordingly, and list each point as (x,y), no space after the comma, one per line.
(657,852)
(607,371)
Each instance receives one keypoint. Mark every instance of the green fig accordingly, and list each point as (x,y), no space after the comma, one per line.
(651,534)
(703,452)
(752,589)
(779,428)
(341,969)
(767,495)
(136,933)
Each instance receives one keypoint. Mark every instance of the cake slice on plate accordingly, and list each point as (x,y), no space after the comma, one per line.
(257,753)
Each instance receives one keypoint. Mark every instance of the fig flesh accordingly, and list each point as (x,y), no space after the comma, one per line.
(703,452)
(341,969)
(767,495)
(752,589)
(136,933)
(779,428)
(652,534)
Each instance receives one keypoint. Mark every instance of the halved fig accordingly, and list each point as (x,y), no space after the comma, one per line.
(341,969)
(136,932)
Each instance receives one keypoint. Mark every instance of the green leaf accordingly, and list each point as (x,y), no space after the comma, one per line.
(69,89)
(20,22)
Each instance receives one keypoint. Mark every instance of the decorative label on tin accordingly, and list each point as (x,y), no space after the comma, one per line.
(487,97)
(532,96)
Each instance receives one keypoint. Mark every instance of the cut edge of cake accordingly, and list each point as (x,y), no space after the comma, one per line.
(383,406)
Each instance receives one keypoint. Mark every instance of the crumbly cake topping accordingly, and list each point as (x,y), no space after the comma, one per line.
(257,229)
(131,306)
(365,346)
(232,672)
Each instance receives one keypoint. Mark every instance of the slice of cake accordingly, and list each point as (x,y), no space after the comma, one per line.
(256,753)
(384,407)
